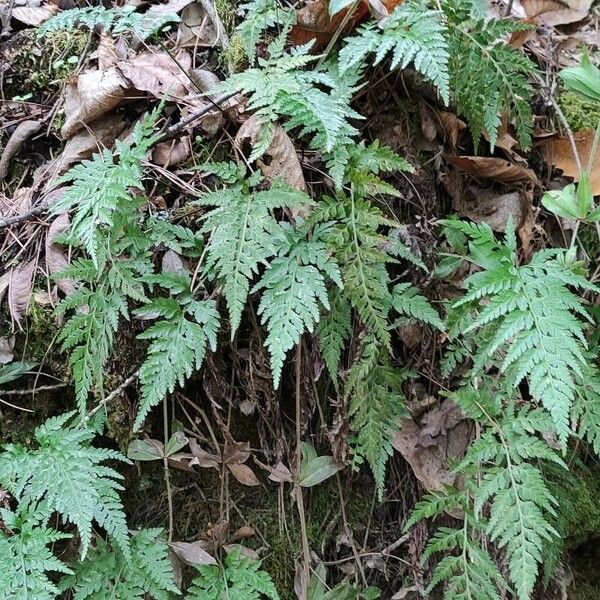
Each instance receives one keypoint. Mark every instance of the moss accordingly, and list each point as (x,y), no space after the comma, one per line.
(42,331)
(233,56)
(40,67)
(227,13)
(581,114)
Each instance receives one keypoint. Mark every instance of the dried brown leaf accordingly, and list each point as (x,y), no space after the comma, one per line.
(197,28)
(244,474)
(497,169)
(172,152)
(56,257)
(557,152)
(6,347)
(19,289)
(172,7)
(89,96)
(201,457)
(280,161)
(34,12)
(557,12)
(236,453)
(280,473)
(157,73)
(245,531)
(106,52)
(172,263)
(23,131)
(193,553)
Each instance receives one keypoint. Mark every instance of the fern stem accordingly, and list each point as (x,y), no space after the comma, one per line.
(166,468)
(299,496)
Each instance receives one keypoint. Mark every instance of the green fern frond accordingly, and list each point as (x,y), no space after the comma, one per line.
(240,578)
(406,300)
(115,20)
(106,574)
(488,77)
(178,341)
(66,473)
(243,235)
(260,15)
(293,288)
(376,405)
(25,557)
(413,35)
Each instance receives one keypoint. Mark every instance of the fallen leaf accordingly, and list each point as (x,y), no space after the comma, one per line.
(280,473)
(99,134)
(157,73)
(201,457)
(106,53)
(244,474)
(172,7)
(56,258)
(89,96)
(555,12)
(34,12)
(280,161)
(197,28)
(451,126)
(497,169)
(557,152)
(245,531)
(236,453)
(430,447)
(6,349)
(19,289)
(173,152)
(193,553)
(18,204)
(23,131)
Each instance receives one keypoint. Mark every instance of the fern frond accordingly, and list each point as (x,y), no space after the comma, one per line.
(243,235)
(66,473)
(412,34)
(178,343)
(294,287)
(259,16)
(25,557)
(240,577)
(406,300)
(115,20)
(106,574)
(488,77)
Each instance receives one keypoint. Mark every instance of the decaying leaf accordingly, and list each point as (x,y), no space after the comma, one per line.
(106,53)
(89,96)
(173,152)
(557,12)
(280,161)
(23,131)
(280,473)
(18,204)
(56,258)
(197,28)
(7,345)
(193,554)
(157,73)
(172,7)
(497,169)
(557,152)
(33,12)
(20,286)
(429,448)
(243,473)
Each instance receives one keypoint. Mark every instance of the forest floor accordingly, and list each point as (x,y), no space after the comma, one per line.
(74,91)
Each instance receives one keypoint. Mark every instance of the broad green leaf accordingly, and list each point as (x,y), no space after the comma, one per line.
(584,79)
(14,370)
(145,450)
(562,202)
(317,470)
(176,443)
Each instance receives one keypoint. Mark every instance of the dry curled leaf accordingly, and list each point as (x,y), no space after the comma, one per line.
(56,258)
(280,161)
(6,346)
(193,554)
(197,28)
(497,169)
(557,152)
(173,152)
(23,131)
(33,12)
(20,286)
(557,12)
(89,96)
(243,473)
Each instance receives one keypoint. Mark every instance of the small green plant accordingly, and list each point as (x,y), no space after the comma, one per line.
(238,577)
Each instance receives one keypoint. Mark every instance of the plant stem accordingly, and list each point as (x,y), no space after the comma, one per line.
(299,496)
(166,468)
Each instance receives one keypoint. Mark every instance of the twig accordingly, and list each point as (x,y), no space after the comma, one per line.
(298,490)
(112,395)
(35,390)
(32,212)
